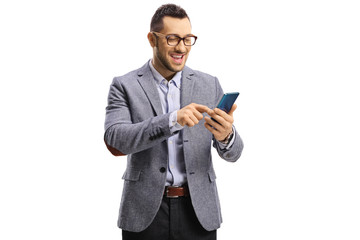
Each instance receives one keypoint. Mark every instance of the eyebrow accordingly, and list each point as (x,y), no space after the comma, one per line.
(187,35)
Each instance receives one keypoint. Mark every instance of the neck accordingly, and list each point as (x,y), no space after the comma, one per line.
(168,75)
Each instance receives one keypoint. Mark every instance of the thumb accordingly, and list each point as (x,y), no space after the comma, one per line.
(232,109)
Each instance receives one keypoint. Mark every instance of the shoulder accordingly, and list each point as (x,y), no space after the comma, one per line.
(198,73)
(128,76)
(201,77)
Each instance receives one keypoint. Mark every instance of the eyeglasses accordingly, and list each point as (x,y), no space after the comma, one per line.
(174,40)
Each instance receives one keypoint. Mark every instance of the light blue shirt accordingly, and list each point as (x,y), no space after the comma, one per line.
(169,93)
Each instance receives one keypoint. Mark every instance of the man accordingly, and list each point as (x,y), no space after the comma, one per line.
(155,115)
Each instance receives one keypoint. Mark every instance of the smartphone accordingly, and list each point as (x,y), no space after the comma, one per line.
(227,101)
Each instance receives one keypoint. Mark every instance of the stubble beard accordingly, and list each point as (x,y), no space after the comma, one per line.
(164,61)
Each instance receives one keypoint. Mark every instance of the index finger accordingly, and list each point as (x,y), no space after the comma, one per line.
(202,108)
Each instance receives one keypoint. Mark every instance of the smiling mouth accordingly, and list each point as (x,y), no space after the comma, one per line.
(178,58)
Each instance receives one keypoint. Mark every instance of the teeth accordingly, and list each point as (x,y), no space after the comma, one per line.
(176,56)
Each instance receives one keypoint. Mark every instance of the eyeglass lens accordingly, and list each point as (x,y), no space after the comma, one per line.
(175,40)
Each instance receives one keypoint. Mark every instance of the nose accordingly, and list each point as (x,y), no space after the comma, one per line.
(181,47)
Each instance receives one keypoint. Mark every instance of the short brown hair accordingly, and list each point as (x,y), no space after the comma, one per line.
(170,10)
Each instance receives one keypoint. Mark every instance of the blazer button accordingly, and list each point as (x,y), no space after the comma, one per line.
(162,170)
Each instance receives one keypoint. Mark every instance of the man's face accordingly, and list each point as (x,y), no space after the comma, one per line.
(171,59)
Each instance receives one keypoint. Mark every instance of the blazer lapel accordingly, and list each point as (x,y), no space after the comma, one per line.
(147,82)
(187,84)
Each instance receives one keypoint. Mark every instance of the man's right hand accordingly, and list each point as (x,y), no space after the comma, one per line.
(191,114)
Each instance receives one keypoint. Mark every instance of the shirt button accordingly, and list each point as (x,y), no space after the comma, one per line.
(162,170)
(170,142)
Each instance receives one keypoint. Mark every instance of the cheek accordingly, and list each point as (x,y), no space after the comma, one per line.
(164,54)
(187,55)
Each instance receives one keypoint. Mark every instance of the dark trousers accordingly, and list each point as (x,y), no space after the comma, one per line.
(176,220)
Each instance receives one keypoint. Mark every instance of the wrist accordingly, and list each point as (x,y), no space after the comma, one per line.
(173,123)
(228,138)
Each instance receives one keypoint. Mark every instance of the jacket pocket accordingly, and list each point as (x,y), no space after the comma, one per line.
(212,175)
(131,175)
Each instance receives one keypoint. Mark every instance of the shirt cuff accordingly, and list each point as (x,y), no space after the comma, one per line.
(173,124)
(231,142)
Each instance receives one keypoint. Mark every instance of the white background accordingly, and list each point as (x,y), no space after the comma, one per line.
(296,64)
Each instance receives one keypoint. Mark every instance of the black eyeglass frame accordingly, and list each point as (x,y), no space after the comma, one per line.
(179,38)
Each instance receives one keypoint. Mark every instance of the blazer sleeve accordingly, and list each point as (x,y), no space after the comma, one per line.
(122,135)
(234,152)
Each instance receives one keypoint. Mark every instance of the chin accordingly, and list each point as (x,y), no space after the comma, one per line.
(179,67)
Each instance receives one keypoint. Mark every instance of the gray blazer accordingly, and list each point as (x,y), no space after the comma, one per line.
(136,126)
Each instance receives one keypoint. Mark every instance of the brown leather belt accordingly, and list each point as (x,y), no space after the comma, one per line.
(175,192)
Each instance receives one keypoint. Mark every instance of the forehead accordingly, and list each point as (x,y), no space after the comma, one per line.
(176,26)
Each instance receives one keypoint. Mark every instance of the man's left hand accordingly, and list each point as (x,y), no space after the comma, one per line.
(223,127)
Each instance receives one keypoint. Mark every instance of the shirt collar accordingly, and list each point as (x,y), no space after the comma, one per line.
(159,78)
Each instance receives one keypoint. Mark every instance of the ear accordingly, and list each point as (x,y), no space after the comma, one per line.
(151,39)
